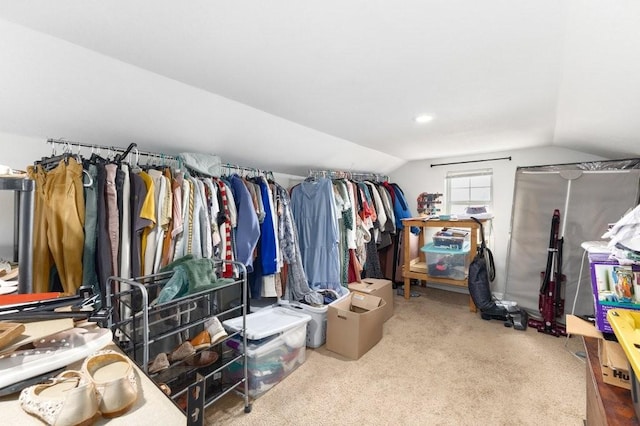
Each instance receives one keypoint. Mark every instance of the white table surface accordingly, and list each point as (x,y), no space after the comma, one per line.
(151,408)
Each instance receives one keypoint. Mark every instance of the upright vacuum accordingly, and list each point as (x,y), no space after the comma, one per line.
(481,272)
(550,301)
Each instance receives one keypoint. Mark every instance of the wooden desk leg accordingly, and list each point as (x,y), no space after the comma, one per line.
(406,250)
(472,306)
(474,244)
(407,288)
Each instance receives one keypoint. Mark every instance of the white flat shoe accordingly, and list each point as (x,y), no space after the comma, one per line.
(69,399)
(115,380)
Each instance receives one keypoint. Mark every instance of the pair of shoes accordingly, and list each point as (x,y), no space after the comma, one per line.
(161,362)
(203,359)
(215,330)
(201,341)
(106,384)
(183,351)
(165,388)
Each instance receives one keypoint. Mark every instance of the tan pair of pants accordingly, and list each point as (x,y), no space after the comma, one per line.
(58,226)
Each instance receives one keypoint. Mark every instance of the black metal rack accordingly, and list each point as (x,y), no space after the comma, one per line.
(23,228)
(143,328)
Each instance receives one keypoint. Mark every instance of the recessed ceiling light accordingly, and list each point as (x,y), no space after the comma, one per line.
(424,118)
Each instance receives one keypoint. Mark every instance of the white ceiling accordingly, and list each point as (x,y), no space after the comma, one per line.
(496,75)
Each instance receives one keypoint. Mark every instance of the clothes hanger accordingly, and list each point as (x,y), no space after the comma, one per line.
(49,163)
(119,157)
(135,167)
(96,157)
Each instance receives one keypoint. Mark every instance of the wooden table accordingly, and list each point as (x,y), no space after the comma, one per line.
(424,223)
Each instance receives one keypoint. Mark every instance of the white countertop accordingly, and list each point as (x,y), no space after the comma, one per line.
(151,407)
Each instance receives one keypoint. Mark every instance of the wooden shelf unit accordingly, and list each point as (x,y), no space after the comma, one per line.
(423,223)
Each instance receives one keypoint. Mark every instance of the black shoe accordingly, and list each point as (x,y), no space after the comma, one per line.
(495,312)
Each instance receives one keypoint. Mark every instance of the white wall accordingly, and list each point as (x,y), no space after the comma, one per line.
(50,88)
(416,177)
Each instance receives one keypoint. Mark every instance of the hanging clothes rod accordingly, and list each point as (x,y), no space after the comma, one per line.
(123,151)
(246,169)
(339,174)
(471,161)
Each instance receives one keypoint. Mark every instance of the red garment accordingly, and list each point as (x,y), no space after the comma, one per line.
(354,271)
(392,193)
(227,271)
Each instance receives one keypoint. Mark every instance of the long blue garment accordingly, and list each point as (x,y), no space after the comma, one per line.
(315,216)
(268,252)
(401,209)
(247,230)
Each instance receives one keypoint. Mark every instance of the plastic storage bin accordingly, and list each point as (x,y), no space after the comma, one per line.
(317,327)
(276,340)
(447,263)
(451,238)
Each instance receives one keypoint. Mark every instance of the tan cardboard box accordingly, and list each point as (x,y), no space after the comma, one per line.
(377,287)
(613,361)
(615,367)
(354,324)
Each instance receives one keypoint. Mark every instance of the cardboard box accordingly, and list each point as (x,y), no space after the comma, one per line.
(614,286)
(613,361)
(377,287)
(354,324)
(615,367)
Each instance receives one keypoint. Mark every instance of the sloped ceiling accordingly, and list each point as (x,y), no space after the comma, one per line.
(494,74)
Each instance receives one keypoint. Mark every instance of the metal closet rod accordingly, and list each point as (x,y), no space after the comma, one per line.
(246,168)
(351,175)
(471,161)
(126,151)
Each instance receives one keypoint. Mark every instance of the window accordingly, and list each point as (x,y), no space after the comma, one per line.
(471,188)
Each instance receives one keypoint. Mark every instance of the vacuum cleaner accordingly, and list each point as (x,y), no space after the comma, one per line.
(550,301)
(481,272)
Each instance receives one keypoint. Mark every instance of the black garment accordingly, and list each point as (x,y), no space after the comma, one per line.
(372,267)
(138,224)
(103,245)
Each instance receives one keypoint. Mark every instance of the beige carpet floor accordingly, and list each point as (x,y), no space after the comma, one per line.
(437,364)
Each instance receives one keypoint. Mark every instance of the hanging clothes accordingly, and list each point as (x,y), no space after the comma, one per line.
(315,216)
(58,225)
(89,276)
(247,231)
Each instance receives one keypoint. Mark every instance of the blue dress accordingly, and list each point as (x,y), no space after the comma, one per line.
(315,216)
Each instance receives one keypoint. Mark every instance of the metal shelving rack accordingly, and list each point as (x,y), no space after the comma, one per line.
(23,227)
(143,328)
